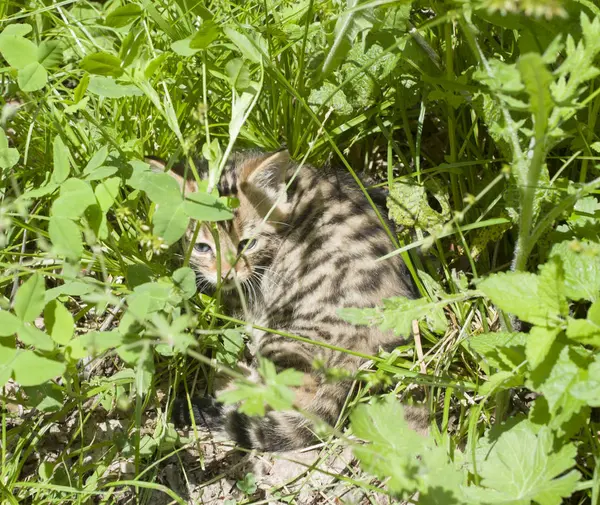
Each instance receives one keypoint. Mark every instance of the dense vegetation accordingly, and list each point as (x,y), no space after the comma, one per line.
(479,117)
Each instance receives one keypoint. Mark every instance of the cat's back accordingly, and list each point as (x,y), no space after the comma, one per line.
(329,255)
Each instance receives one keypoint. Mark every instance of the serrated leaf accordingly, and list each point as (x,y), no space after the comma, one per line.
(123,15)
(581,265)
(329,96)
(9,323)
(59,322)
(524,295)
(32,77)
(539,342)
(65,237)
(62,165)
(18,51)
(205,36)
(29,300)
(520,466)
(31,369)
(102,63)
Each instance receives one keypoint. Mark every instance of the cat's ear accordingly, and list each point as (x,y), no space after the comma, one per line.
(269,174)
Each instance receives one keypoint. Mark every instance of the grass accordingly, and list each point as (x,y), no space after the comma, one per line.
(480,120)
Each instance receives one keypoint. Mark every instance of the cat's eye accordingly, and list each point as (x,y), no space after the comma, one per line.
(246,244)
(202,247)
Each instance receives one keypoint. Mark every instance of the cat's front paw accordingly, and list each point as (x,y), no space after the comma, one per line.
(208,413)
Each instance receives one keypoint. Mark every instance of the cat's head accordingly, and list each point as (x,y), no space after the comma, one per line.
(244,246)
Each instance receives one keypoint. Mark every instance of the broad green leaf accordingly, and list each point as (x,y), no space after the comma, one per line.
(108,87)
(205,36)
(519,466)
(182,47)
(29,300)
(32,77)
(102,64)
(71,288)
(329,96)
(185,279)
(586,331)
(238,73)
(160,188)
(50,53)
(66,237)
(406,459)
(106,192)
(248,48)
(81,88)
(9,156)
(62,165)
(170,222)
(8,353)
(160,293)
(9,323)
(31,369)
(122,16)
(206,207)
(588,391)
(581,265)
(539,342)
(30,335)
(48,397)
(97,160)
(524,295)
(75,197)
(59,322)
(18,29)
(18,51)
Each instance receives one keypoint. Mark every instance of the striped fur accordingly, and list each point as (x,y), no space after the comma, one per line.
(313,254)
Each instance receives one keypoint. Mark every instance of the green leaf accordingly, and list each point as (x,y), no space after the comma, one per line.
(347,28)
(238,73)
(81,88)
(581,265)
(122,16)
(102,64)
(18,51)
(407,460)
(108,87)
(32,77)
(66,237)
(75,197)
(206,207)
(520,466)
(170,222)
(18,29)
(539,342)
(30,335)
(62,165)
(107,192)
(182,47)
(586,331)
(525,295)
(161,188)
(59,322)
(97,160)
(50,53)
(8,353)
(29,300)
(31,369)
(9,323)
(8,155)
(185,279)
(206,35)
(248,48)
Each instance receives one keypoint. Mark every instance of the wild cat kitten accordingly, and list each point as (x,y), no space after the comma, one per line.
(314,253)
